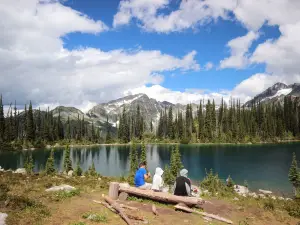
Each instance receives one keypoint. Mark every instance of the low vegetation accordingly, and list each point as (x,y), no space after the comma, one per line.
(95,217)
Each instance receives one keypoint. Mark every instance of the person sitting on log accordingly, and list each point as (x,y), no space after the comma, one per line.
(158,182)
(182,186)
(140,177)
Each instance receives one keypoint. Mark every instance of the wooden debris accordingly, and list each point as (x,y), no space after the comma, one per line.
(216,217)
(135,217)
(128,207)
(121,205)
(106,205)
(113,192)
(162,197)
(117,207)
(123,196)
(154,210)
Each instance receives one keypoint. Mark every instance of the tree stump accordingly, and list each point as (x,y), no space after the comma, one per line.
(113,192)
(123,196)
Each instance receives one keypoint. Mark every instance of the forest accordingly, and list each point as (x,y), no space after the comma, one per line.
(226,123)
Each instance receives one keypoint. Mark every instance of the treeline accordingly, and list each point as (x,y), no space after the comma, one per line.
(233,122)
(228,123)
(36,128)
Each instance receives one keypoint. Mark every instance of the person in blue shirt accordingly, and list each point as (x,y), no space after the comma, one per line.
(140,176)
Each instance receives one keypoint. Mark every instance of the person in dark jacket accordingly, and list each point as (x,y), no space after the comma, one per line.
(182,186)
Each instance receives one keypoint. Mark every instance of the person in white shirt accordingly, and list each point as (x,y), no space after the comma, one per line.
(158,182)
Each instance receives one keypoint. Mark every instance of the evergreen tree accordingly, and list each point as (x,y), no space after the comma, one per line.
(175,161)
(50,170)
(169,179)
(78,170)
(29,165)
(67,160)
(170,124)
(108,134)
(30,124)
(143,153)
(2,121)
(294,176)
(133,159)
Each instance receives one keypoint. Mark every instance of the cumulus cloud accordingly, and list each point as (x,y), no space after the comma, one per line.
(35,65)
(188,96)
(209,66)
(238,49)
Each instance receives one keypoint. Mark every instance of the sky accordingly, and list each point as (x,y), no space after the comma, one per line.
(83,52)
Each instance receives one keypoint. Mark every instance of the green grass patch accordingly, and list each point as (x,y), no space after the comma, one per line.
(95,217)
(78,223)
(62,195)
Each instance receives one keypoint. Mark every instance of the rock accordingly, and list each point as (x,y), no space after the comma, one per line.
(70,173)
(99,178)
(289,199)
(261,196)
(273,197)
(235,199)
(2,218)
(82,176)
(123,196)
(280,198)
(265,192)
(253,194)
(63,187)
(241,190)
(20,170)
(1,169)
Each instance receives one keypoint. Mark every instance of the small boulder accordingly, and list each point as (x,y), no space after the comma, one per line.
(280,198)
(241,190)
(235,199)
(63,187)
(261,195)
(20,170)
(273,197)
(253,194)
(70,173)
(265,192)
(1,169)
(2,218)
(289,199)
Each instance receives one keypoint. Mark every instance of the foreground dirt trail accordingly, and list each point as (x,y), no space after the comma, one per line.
(71,211)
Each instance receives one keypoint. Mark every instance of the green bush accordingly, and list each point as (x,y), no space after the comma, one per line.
(95,217)
(293,208)
(269,205)
(78,170)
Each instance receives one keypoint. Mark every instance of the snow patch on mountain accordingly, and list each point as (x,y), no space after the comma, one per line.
(279,93)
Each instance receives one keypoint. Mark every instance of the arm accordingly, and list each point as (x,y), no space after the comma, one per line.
(188,189)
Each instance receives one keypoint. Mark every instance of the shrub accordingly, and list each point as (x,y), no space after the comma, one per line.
(95,217)
(78,170)
(92,171)
(293,208)
(50,170)
(269,205)
(67,160)
(29,164)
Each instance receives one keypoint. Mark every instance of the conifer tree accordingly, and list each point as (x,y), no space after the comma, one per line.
(78,170)
(175,161)
(30,124)
(143,153)
(168,176)
(67,160)
(92,170)
(2,122)
(28,165)
(108,134)
(294,176)
(133,159)
(50,170)
(170,124)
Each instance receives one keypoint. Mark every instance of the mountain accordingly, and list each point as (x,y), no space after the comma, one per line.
(276,93)
(149,107)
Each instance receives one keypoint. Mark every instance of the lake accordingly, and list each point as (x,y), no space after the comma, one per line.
(263,166)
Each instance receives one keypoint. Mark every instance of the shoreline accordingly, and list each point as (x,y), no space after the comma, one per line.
(57,145)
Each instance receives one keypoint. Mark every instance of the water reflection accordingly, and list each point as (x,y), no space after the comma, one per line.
(263,166)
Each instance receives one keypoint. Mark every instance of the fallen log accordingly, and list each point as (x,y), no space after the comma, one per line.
(216,217)
(117,207)
(133,217)
(128,207)
(162,197)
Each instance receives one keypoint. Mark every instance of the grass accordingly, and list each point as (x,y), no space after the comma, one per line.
(62,195)
(78,223)
(95,217)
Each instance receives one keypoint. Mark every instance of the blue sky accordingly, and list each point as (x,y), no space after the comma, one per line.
(83,52)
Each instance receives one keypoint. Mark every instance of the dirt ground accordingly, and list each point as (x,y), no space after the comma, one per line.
(54,209)
(72,210)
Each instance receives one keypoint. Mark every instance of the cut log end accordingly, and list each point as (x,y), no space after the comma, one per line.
(113,192)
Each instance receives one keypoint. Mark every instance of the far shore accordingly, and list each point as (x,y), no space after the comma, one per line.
(162,143)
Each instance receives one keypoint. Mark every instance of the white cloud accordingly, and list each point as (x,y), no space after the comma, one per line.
(209,66)
(238,50)
(35,66)
(188,96)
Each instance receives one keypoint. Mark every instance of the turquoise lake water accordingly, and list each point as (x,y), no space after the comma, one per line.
(263,166)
